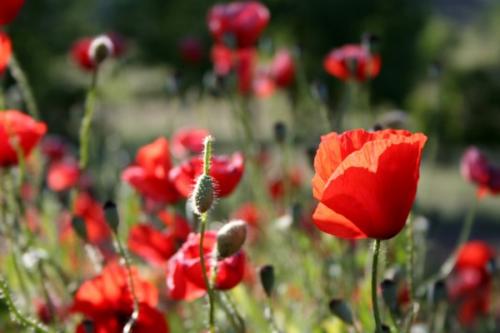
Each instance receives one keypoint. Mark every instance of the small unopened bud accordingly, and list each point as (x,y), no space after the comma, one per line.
(79,227)
(111,215)
(203,194)
(280,132)
(230,238)
(267,279)
(437,292)
(100,49)
(390,294)
(340,309)
(371,42)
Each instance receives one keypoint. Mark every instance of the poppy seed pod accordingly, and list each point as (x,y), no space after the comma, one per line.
(230,238)
(100,49)
(340,309)
(203,194)
(267,279)
(111,215)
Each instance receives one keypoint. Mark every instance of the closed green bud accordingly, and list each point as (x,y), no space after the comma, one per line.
(340,309)
(230,238)
(267,279)
(203,194)
(111,215)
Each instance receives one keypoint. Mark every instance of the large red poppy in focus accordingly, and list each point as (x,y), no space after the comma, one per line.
(18,128)
(226,172)
(238,22)
(366,182)
(107,302)
(150,173)
(184,273)
(352,62)
(9,10)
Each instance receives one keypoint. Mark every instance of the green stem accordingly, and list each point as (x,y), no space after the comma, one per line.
(87,121)
(376,311)
(16,313)
(411,260)
(135,312)
(210,291)
(20,77)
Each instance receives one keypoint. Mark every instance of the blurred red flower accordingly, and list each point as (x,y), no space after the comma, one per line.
(5,51)
(19,128)
(191,50)
(80,51)
(9,10)
(277,186)
(352,61)
(263,85)
(366,182)
(63,175)
(188,141)
(157,246)
(53,147)
(471,282)
(184,272)
(282,68)
(476,168)
(249,213)
(106,301)
(91,211)
(238,23)
(226,172)
(150,174)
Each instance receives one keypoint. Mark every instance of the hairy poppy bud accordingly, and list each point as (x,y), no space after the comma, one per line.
(79,227)
(340,309)
(230,238)
(100,49)
(267,279)
(203,194)
(111,214)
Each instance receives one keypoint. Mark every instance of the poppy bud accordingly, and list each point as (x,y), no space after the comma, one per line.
(230,238)
(341,310)
(437,292)
(389,294)
(371,41)
(280,132)
(267,279)
(203,194)
(100,49)
(79,227)
(111,214)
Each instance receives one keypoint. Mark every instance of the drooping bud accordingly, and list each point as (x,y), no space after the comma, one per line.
(111,215)
(390,294)
(79,227)
(230,238)
(267,279)
(203,194)
(340,309)
(100,49)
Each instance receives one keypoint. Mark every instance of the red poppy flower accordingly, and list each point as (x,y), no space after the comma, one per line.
(241,61)
(263,85)
(191,50)
(283,69)
(188,141)
(352,62)
(184,272)
(471,282)
(63,175)
(81,50)
(366,182)
(9,10)
(53,147)
(249,213)
(107,302)
(157,246)
(90,210)
(226,172)
(476,168)
(241,21)
(150,174)
(277,186)
(5,51)
(21,128)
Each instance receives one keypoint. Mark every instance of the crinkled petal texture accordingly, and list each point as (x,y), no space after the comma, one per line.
(366,182)
(150,174)
(5,51)
(226,171)
(17,128)
(9,10)
(107,302)
(184,271)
